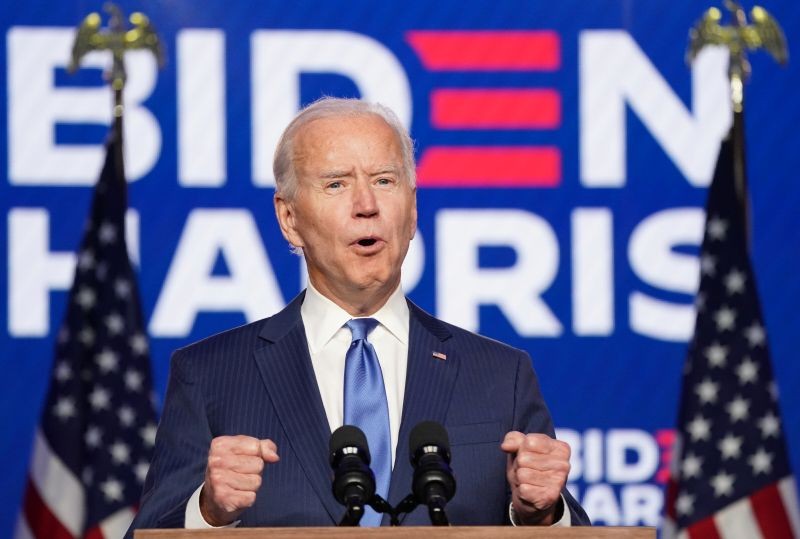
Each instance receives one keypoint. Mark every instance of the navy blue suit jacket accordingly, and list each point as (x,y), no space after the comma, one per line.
(257,380)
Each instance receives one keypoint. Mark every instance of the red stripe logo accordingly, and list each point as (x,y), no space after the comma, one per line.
(487,50)
(490,108)
(481,166)
(495,109)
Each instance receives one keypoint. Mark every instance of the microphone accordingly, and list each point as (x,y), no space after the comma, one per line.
(353,480)
(433,483)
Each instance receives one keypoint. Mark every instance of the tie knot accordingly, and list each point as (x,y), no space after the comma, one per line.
(361,327)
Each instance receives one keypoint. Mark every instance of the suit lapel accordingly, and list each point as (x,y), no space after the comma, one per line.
(285,367)
(429,385)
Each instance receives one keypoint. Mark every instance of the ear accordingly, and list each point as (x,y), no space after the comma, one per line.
(285,213)
(413,225)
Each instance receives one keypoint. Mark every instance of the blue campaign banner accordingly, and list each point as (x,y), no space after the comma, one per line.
(564,152)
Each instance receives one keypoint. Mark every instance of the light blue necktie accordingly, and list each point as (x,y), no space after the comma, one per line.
(365,406)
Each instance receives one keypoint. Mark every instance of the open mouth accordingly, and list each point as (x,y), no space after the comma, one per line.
(367,242)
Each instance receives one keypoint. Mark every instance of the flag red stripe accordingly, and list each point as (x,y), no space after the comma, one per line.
(669,499)
(94,533)
(770,512)
(704,529)
(41,521)
(479,166)
(487,50)
(502,109)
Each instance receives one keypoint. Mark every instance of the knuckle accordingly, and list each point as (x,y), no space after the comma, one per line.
(527,492)
(249,498)
(565,448)
(525,460)
(216,478)
(215,462)
(229,507)
(218,443)
(248,444)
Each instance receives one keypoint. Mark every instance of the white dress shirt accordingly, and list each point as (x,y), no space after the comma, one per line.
(328,341)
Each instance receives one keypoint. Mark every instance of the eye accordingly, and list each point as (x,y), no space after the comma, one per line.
(334,185)
(384,181)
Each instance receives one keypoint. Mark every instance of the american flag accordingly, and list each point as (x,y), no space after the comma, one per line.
(731,475)
(92,449)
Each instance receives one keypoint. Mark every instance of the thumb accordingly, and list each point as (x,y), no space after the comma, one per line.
(269,451)
(512,441)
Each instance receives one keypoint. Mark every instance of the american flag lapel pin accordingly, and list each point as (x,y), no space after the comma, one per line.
(440,356)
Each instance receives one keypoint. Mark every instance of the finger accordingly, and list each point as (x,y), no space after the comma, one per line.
(526,476)
(542,461)
(512,441)
(243,464)
(239,482)
(538,443)
(511,470)
(240,445)
(540,498)
(269,451)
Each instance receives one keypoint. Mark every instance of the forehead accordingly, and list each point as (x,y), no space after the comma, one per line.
(365,139)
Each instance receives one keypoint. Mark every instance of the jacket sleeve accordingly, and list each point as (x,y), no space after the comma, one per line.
(532,415)
(181,450)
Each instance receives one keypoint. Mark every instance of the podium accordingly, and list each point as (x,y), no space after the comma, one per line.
(410,532)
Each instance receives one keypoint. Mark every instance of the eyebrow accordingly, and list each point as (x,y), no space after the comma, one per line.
(334,174)
(388,169)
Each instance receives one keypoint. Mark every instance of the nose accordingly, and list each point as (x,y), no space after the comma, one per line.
(365,204)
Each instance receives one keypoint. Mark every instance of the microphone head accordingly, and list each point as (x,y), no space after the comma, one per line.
(433,482)
(428,434)
(348,439)
(353,480)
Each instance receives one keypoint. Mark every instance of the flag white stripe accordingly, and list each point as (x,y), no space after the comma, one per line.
(23,531)
(117,524)
(668,528)
(59,489)
(788,490)
(738,520)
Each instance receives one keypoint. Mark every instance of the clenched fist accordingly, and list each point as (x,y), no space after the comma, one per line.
(233,476)
(537,471)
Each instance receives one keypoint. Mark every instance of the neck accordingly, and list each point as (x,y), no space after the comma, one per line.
(359,302)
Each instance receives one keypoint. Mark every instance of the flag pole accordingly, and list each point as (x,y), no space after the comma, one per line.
(763,32)
(118,40)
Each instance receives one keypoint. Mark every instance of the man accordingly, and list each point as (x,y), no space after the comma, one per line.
(248,414)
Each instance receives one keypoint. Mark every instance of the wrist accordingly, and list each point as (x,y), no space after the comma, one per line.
(208,513)
(530,516)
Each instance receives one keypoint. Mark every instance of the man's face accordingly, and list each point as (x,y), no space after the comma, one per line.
(354,212)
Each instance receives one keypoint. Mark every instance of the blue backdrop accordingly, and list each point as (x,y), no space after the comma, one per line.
(576,237)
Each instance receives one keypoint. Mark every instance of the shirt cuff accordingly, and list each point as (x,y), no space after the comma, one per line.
(193,518)
(564,522)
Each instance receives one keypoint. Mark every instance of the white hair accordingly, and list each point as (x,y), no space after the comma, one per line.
(327,107)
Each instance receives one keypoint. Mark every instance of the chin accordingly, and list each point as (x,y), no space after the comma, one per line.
(373,280)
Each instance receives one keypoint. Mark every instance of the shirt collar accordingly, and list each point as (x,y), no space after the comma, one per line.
(323,318)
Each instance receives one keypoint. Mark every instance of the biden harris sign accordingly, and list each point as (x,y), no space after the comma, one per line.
(564,150)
